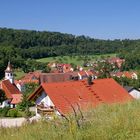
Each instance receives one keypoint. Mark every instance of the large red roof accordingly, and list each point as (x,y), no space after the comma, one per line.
(64,95)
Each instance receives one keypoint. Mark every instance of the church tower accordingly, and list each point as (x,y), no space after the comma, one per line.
(9,75)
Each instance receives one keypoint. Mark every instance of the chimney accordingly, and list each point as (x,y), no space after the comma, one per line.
(89,80)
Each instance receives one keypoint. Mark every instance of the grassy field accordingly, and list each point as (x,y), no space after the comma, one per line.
(18,74)
(77,60)
(116,122)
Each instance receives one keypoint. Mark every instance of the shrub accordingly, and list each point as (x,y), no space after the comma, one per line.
(4,111)
(14,113)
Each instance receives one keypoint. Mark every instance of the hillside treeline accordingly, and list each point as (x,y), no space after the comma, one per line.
(36,44)
(19,45)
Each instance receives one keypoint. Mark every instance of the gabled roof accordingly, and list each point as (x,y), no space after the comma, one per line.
(11,91)
(64,95)
(31,77)
(23,82)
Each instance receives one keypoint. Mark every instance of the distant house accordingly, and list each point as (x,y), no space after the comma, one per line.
(12,93)
(116,60)
(85,74)
(52,65)
(135,93)
(127,74)
(82,74)
(61,98)
(63,68)
(31,77)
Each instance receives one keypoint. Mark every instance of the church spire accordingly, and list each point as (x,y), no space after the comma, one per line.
(9,73)
(9,68)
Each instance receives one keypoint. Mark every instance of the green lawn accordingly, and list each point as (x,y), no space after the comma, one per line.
(77,60)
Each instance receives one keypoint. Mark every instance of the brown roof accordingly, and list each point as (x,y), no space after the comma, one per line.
(57,77)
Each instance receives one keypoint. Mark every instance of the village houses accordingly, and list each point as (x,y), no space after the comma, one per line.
(60,93)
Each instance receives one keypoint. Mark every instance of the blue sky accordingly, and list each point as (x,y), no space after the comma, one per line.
(105,19)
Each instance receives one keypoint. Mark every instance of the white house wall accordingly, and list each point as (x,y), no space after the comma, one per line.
(21,87)
(44,98)
(80,77)
(135,94)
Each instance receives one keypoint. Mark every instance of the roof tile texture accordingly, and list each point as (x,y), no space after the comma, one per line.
(66,95)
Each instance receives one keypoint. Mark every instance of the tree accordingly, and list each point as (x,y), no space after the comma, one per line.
(2,96)
(25,104)
(104,69)
(29,88)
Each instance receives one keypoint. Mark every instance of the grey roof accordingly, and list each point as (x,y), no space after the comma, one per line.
(128,88)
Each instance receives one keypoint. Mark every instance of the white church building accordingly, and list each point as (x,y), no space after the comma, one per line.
(12,93)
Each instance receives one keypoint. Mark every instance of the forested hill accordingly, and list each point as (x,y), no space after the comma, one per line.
(19,45)
(36,44)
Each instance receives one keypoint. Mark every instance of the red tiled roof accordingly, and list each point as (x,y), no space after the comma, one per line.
(11,91)
(64,95)
(31,76)
(16,98)
(22,82)
(127,74)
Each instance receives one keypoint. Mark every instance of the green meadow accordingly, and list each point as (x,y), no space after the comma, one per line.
(115,122)
(19,73)
(77,60)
